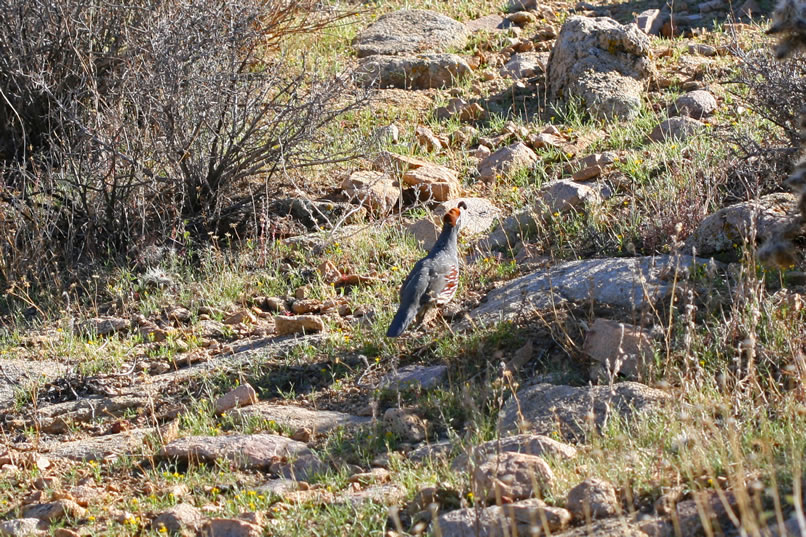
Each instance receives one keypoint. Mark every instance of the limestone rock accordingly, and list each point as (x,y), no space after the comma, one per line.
(408,31)
(243,395)
(105,326)
(407,425)
(527,517)
(59,417)
(415,376)
(22,527)
(18,373)
(525,65)
(182,518)
(425,232)
(427,139)
(433,181)
(616,282)
(530,444)
(257,451)
(593,498)
(230,527)
(99,448)
(489,23)
(563,195)
(423,71)
(298,324)
(676,128)
(506,161)
(603,63)
(511,475)
(477,218)
(618,347)
(54,511)
(296,417)
(696,104)
(549,409)
(725,231)
(650,21)
(374,189)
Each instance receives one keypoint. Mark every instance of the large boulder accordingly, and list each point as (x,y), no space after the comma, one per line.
(423,71)
(624,283)
(602,63)
(724,232)
(409,31)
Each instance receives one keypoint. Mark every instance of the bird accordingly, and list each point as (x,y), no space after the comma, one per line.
(434,279)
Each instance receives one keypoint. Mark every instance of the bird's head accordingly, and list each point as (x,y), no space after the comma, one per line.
(453,217)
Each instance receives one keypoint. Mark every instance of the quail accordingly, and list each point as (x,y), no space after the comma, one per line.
(434,279)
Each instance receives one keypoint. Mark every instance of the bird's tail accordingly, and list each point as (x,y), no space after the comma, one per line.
(402,320)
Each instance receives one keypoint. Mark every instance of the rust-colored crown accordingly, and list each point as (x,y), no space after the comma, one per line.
(452,216)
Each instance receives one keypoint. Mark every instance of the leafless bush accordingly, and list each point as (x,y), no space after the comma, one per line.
(125,123)
(776,89)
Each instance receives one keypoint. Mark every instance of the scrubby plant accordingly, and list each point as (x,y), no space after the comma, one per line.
(128,124)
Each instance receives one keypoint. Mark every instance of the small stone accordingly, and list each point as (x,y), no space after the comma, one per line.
(309,305)
(21,527)
(303,434)
(619,347)
(696,104)
(230,527)
(482,152)
(506,161)
(65,532)
(593,498)
(702,49)
(650,21)
(243,315)
(406,425)
(677,128)
(298,324)
(464,135)
(49,482)
(512,476)
(427,139)
(586,174)
(433,181)
(376,190)
(243,395)
(54,511)
(521,18)
(182,518)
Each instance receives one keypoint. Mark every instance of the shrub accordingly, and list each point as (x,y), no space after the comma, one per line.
(128,123)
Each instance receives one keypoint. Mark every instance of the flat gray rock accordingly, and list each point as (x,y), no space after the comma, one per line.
(530,444)
(415,376)
(544,407)
(22,527)
(256,451)
(410,31)
(59,417)
(489,23)
(422,71)
(295,417)
(527,517)
(676,128)
(17,374)
(100,448)
(616,282)
(478,217)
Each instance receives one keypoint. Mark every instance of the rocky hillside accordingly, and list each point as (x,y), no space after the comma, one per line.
(616,362)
